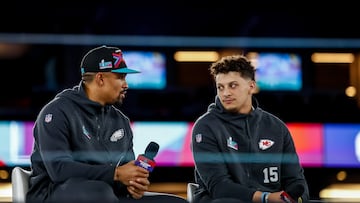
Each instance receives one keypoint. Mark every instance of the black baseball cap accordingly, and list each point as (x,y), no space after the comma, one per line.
(105,59)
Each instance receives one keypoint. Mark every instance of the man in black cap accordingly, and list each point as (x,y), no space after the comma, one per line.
(83,149)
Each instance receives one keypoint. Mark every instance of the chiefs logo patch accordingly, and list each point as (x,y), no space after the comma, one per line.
(265,144)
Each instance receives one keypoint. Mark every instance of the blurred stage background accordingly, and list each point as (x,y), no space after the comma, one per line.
(307,57)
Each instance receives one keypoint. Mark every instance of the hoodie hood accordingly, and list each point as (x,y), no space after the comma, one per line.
(78,96)
(219,111)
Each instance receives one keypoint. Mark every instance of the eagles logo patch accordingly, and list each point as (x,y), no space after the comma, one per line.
(117,135)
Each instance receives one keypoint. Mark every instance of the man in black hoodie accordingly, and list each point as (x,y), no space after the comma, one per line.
(241,152)
(83,148)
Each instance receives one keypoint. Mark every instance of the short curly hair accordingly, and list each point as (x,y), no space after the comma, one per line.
(236,63)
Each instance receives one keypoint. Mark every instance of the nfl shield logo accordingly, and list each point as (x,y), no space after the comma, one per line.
(198,138)
(48,118)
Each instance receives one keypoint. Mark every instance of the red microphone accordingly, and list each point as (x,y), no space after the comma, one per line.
(286,198)
(293,194)
(146,160)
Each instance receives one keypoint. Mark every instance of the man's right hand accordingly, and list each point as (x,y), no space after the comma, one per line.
(134,177)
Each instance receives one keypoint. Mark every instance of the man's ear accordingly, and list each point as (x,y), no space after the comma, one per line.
(253,87)
(99,77)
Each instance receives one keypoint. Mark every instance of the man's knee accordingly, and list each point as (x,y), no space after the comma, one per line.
(84,190)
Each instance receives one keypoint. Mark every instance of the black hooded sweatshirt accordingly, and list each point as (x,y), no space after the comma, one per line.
(78,138)
(238,154)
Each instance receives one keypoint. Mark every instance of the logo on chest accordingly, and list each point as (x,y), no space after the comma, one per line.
(117,135)
(232,144)
(265,144)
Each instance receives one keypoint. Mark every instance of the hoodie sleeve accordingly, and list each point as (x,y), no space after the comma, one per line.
(211,167)
(292,176)
(51,133)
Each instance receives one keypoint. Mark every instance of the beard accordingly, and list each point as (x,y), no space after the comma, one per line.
(120,100)
(118,103)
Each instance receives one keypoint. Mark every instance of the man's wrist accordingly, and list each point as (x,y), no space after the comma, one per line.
(264,197)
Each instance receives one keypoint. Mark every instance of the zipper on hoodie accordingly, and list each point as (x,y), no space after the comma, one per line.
(100,123)
(249,145)
(97,129)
